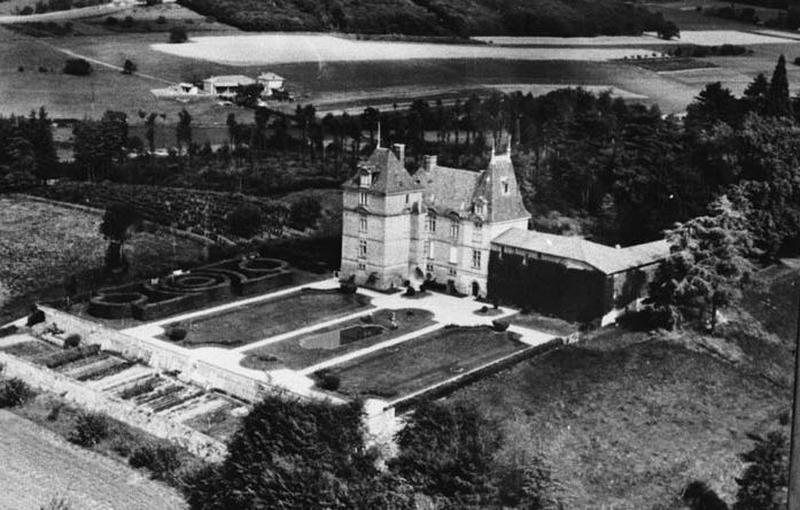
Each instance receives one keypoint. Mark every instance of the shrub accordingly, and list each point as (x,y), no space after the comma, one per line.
(72,341)
(178,35)
(55,411)
(14,392)
(56,503)
(646,319)
(161,460)
(161,20)
(8,330)
(121,446)
(35,317)
(127,22)
(90,429)
(111,21)
(176,334)
(410,291)
(698,496)
(329,381)
(245,221)
(348,287)
(60,358)
(139,389)
(78,67)
(500,325)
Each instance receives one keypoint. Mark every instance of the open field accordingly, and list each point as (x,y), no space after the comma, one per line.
(269,49)
(424,361)
(41,244)
(240,326)
(301,352)
(699,37)
(45,465)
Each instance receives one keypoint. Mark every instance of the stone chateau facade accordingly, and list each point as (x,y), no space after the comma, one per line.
(437,224)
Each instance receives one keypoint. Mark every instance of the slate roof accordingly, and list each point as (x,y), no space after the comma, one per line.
(270,76)
(230,80)
(389,175)
(448,190)
(604,258)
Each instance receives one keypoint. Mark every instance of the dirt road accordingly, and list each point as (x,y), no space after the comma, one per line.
(38,465)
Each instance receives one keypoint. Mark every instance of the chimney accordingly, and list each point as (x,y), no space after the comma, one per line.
(400,151)
(428,162)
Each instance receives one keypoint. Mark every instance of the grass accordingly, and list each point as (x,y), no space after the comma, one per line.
(295,353)
(627,426)
(29,349)
(41,244)
(255,322)
(424,361)
(550,325)
(660,65)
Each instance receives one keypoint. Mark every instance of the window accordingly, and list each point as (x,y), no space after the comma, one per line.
(480,208)
(453,255)
(362,267)
(362,248)
(477,233)
(454,228)
(431,224)
(476,259)
(362,224)
(366,180)
(363,198)
(428,249)
(504,183)
(502,252)
(429,268)
(451,271)
(408,198)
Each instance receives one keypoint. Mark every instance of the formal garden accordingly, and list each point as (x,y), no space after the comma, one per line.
(247,324)
(330,342)
(422,362)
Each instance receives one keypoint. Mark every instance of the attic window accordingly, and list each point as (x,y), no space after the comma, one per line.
(480,208)
(366,180)
(504,183)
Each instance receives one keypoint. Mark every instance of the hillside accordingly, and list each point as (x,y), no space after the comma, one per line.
(627,419)
(434,17)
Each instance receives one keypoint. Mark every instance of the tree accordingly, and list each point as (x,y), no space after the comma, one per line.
(246,221)
(183,131)
(304,213)
(128,67)
(99,145)
(777,101)
(708,263)
(699,496)
(448,451)
(178,35)
(78,67)
(668,30)
(118,221)
(298,454)
(766,477)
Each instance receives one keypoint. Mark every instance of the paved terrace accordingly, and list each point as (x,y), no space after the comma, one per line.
(446,310)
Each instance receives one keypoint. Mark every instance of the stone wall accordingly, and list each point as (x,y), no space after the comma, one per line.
(91,399)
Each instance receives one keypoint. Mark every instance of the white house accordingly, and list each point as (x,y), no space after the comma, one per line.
(271,81)
(225,86)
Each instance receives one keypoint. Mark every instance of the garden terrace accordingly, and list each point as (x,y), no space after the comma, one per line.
(425,361)
(201,287)
(303,351)
(241,326)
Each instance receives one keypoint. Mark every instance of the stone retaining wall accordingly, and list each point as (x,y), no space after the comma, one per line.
(91,399)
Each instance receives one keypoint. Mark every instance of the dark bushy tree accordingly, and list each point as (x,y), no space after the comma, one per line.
(766,477)
(78,67)
(118,221)
(246,221)
(699,496)
(178,35)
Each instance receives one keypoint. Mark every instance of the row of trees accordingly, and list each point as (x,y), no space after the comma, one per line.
(290,454)
(27,150)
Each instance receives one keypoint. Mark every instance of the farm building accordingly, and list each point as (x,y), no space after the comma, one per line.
(468,232)
(570,277)
(271,81)
(226,85)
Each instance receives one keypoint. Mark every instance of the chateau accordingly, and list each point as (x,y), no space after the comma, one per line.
(435,225)
(469,231)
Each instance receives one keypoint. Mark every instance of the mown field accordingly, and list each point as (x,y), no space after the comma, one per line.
(627,419)
(39,465)
(42,244)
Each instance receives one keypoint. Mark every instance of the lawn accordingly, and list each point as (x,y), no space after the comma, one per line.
(41,244)
(306,350)
(424,361)
(241,326)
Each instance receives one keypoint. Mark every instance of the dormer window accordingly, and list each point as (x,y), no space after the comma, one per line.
(454,228)
(480,208)
(366,180)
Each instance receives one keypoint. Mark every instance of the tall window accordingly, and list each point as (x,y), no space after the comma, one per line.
(431,223)
(428,249)
(362,248)
(453,255)
(362,224)
(477,233)
(476,259)
(363,198)
(454,230)
(504,183)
